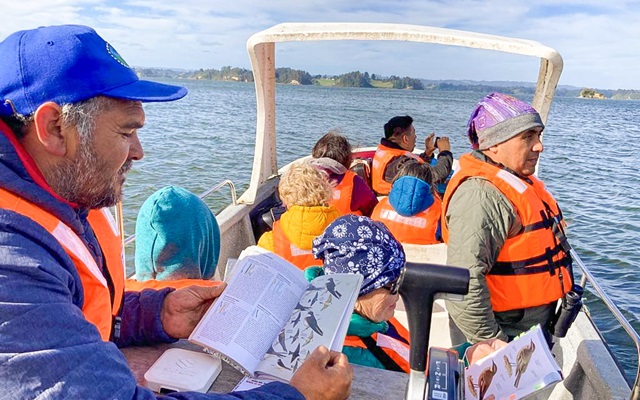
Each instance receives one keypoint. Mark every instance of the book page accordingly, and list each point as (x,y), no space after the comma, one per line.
(241,324)
(320,318)
(525,366)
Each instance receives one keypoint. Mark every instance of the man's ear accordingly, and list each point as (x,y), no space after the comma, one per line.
(49,129)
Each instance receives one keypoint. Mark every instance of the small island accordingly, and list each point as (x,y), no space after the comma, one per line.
(591,94)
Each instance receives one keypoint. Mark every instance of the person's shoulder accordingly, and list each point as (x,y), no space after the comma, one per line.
(479,193)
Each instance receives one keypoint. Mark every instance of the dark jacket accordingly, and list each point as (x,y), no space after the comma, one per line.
(440,171)
(47,348)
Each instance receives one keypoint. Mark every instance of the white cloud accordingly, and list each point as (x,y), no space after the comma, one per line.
(597,41)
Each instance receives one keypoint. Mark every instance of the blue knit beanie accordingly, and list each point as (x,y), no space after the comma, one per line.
(177,237)
(359,245)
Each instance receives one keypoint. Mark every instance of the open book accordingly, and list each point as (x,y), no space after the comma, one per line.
(525,366)
(269,318)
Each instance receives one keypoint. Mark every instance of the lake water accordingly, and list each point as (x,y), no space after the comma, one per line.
(590,162)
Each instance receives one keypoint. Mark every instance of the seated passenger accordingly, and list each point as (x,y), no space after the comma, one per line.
(305,192)
(351,194)
(396,148)
(412,209)
(359,245)
(177,241)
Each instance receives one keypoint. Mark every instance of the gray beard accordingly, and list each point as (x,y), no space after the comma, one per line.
(81,181)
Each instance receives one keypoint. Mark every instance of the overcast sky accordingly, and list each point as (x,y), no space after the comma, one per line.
(599,40)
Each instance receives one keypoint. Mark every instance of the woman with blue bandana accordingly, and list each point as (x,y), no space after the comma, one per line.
(359,245)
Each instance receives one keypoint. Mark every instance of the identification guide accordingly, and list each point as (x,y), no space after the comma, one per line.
(270,318)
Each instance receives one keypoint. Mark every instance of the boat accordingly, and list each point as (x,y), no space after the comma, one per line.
(589,368)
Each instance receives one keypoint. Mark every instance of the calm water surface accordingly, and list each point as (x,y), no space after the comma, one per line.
(589,163)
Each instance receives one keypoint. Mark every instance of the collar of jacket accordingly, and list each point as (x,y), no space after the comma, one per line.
(363,327)
(483,157)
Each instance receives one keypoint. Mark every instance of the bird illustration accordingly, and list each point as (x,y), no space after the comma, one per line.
(313,287)
(312,323)
(331,287)
(297,319)
(281,340)
(275,353)
(300,307)
(471,386)
(327,303)
(281,365)
(485,378)
(308,339)
(295,336)
(522,360)
(295,354)
(508,365)
(315,298)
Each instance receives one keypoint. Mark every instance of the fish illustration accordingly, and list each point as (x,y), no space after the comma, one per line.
(281,365)
(327,303)
(522,360)
(485,378)
(508,365)
(312,323)
(281,340)
(471,386)
(331,287)
(295,354)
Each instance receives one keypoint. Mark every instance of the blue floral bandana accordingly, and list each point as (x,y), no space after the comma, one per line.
(358,245)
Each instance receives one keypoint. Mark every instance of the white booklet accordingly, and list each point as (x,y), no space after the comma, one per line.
(269,318)
(525,366)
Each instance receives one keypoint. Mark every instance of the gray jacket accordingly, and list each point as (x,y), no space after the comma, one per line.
(480,218)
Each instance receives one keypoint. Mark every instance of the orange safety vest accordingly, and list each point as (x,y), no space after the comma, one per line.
(290,252)
(388,357)
(103,291)
(532,268)
(417,229)
(381,159)
(343,193)
(132,285)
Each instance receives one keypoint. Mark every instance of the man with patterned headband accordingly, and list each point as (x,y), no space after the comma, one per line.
(70,111)
(501,223)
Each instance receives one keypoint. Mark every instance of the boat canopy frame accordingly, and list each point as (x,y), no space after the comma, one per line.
(261,49)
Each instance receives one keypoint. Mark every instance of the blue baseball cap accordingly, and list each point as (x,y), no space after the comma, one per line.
(67,64)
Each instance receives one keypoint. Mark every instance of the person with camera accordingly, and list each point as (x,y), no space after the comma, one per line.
(396,148)
(501,223)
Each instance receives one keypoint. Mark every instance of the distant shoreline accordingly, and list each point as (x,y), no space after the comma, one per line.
(376,81)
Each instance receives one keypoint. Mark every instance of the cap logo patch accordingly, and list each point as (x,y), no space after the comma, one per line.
(114,54)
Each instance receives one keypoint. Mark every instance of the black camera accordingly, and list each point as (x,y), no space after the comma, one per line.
(567,313)
(435,142)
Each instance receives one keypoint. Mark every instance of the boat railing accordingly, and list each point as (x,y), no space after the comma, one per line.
(203,195)
(588,276)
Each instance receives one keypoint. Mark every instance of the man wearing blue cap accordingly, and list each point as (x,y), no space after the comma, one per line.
(70,110)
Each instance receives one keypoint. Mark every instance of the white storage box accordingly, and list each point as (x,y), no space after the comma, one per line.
(179,370)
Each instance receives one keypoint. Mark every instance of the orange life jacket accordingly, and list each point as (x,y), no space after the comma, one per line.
(532,268)
(417,229)
(382,157)
(284,248)
(132,285)
(103,290)
(343,193)
(387,356)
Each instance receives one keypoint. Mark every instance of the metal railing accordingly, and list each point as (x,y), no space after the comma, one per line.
(206,193)
(587,276)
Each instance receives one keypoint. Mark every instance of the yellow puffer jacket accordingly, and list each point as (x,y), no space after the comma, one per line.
(301,225)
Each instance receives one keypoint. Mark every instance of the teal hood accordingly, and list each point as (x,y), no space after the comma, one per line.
(177,237)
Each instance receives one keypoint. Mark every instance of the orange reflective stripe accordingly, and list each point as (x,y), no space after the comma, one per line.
(99,308)
(526,270)
(356,341)
(382,157)
(417,229)
(131,285)
(343,194)
(283,247)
